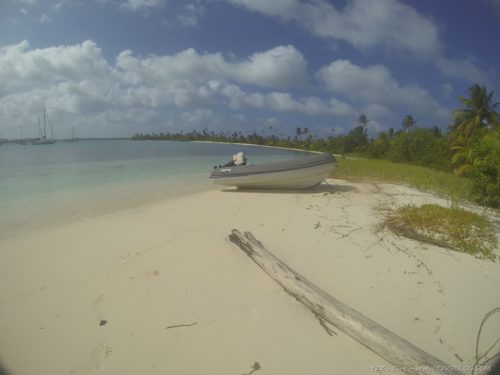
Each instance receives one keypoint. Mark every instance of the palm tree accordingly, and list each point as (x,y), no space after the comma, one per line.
(478,114)
(479,111)
(298,132)
(363,120)
(408,122)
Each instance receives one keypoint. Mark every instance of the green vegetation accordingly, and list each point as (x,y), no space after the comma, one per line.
(436,181)
(470,148)
(484,171)
(476,118)
(452,228)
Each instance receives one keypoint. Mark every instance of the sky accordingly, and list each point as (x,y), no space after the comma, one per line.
(113,68)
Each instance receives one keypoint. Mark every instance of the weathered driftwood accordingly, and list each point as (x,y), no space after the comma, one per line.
(400,353)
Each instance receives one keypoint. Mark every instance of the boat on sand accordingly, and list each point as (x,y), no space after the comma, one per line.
(296,173)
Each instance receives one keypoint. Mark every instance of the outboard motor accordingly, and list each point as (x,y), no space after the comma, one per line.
(238,159)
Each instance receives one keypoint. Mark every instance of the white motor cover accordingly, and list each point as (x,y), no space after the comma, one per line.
(239,158)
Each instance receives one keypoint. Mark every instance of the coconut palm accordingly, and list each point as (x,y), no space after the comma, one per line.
(298,132)
(363,120)
(478,113)
(408,122)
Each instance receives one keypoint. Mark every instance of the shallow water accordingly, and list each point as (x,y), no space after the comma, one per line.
(44,185)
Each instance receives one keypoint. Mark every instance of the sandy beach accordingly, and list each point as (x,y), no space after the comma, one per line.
(160,290)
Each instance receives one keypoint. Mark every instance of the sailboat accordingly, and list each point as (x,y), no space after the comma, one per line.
(72,139)
(22,141)
(43,140)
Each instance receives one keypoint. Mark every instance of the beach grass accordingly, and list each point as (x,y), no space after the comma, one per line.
(439,182)
(452,228)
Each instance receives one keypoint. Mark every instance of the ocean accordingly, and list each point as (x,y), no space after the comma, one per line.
(46,185)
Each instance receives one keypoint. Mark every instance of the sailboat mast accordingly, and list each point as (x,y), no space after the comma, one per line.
(44,119)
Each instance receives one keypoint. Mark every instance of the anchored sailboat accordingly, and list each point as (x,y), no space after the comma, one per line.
(43,140)
(73,138)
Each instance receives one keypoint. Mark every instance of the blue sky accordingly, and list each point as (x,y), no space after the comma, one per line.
(119,67)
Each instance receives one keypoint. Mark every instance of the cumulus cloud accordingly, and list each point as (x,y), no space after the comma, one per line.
(463,69)
(284,102)
(376,85)
(190,15)
(135,5)
(361,23)
(77,81)
(27,2)
(282,66)
(367,24)
(22,68)
(198,117)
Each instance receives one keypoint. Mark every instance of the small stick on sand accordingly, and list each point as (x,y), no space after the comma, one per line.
(182,325)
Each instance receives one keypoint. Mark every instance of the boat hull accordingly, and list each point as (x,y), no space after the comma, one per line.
(300,173)
(43,142)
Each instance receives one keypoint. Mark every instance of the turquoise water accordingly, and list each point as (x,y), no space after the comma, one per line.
(45,185)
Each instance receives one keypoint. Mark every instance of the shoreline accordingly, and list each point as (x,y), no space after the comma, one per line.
(159,288)
(263,146)
(107,204)
(26,215)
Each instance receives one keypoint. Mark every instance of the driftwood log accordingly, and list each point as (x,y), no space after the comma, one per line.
(401,354)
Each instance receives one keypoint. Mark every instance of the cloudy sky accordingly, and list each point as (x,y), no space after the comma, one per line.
(119,67)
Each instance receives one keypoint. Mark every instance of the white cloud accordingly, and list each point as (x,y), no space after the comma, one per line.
(76,82)
(284,102)
(190,15)
(376,111)
(278,67)
(464,69)
(70,80)
(22,68)
(198,117)
(361,23)
(340,108)
(135,5)
(368,24)
(282,66)
(44,18)
(376,85)
(27,2)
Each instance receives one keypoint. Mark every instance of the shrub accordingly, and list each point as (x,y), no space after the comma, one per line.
(379,146)
(484,170)
(421,146)
(452,228)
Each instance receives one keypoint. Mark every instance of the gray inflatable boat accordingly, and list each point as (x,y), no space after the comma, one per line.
(297,173)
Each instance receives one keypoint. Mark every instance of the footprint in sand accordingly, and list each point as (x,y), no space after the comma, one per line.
(98,308)
(95,360)
(98,355)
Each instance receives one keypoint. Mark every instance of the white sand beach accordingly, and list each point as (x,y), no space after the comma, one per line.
(160,290)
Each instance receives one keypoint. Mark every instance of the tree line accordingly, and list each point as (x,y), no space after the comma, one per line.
(470,146)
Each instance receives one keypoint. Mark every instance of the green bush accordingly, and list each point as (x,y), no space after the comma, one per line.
(421,146)
(356,140)
(379,146)
(484,170)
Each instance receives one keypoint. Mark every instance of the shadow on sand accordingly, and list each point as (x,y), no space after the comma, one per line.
(320,189)
(3,371)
